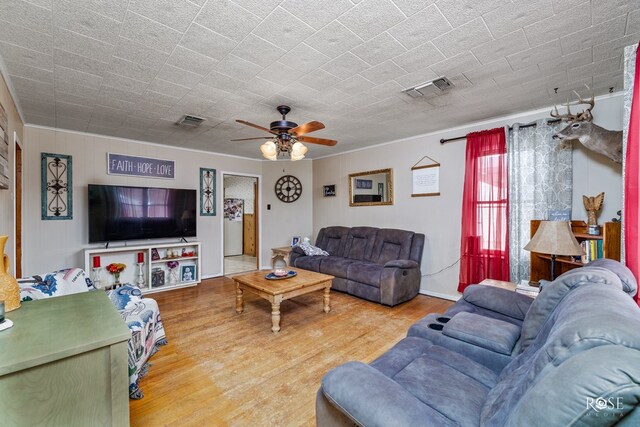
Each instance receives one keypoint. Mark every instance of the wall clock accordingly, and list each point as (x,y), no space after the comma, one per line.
(288,188)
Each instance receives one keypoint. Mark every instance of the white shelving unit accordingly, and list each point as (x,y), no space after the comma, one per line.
(128,255)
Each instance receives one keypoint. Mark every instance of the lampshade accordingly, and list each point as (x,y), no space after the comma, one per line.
(554,238)
(298,151)
(269,150)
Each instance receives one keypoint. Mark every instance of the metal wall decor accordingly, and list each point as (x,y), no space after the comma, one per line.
(57,186)
(4,149)
(288,189)
(207,192)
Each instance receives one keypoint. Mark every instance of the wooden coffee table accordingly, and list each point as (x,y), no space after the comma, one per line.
(277,291)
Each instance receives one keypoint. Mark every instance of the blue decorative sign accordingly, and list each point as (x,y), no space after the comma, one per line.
(122,164)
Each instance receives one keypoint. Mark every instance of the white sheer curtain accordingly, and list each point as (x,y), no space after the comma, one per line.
(540,172)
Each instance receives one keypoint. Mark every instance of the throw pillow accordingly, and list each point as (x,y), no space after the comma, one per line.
(311,250)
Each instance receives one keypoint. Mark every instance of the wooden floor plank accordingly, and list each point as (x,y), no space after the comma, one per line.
(221,368)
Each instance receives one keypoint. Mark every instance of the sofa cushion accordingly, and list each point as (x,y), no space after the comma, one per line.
(629,282)
(391,244)
(311,263)
(332,239)
(501,301)
(492,334)
(335,266)
(359,243)
(544,305)
(429,379)
(365,272)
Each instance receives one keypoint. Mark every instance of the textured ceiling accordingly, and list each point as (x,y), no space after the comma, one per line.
(131,68)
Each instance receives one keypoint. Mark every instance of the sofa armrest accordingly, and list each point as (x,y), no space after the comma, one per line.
(295,253)
(500,300)
(401,263)
(493,334)
(370,398)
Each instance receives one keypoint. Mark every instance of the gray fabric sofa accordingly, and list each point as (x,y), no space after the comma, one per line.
(573,359)
(377,264)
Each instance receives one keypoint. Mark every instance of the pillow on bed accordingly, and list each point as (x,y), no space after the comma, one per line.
(311,250)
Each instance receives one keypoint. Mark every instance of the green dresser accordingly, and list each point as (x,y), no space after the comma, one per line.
(64,363)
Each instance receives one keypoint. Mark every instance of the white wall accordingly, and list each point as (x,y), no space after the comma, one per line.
(285,220)
(240,187)
(49,245)
(439,217)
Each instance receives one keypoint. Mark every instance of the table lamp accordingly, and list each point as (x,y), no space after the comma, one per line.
(554,238)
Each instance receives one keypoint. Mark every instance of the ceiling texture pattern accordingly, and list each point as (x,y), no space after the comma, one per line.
(132,68)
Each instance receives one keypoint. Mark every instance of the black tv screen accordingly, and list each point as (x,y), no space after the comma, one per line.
(134,213)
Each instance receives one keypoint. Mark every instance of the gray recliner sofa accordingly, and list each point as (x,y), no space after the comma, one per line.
(377,264)
(574,359)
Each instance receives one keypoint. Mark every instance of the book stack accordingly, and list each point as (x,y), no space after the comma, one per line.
(591,250)
(525,288)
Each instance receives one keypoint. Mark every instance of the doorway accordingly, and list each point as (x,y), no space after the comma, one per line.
(240,223)
(17,207)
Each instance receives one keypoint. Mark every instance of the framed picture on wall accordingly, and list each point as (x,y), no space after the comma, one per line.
(329,190)
(366,184)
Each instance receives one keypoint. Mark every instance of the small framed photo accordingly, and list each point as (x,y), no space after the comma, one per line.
(295,240)
(155,255)
(329,190)
(188,273)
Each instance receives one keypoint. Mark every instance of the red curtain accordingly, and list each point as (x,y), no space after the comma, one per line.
(632,181)
(484,248)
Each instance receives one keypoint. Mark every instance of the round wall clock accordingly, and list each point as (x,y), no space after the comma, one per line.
(288,188)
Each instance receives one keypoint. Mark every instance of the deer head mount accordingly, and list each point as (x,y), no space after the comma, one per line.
(591,136)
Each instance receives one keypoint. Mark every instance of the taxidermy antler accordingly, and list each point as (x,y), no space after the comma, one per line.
(592,205)
(593,137)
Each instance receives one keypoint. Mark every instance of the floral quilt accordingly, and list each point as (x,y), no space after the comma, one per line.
(141,315)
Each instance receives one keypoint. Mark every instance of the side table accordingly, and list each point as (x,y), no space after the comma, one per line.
(284,251)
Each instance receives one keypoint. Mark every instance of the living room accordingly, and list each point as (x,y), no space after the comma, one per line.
(398,89)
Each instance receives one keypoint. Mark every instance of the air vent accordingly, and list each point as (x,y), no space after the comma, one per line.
(434,87)
(190,122)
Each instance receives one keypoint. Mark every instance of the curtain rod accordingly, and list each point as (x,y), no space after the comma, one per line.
(528,125)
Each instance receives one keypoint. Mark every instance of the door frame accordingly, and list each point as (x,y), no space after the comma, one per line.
(258,198)
(17,143)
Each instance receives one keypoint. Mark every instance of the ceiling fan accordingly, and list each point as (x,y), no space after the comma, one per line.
(287,137)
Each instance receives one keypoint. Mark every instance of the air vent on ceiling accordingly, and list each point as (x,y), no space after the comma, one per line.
(433,87)
(190,122)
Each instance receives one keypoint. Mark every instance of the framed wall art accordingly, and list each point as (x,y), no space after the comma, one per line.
(57,186)
(425,179)
(207,192)
(329,190)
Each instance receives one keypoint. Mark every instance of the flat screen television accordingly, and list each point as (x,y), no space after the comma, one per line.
(119,213)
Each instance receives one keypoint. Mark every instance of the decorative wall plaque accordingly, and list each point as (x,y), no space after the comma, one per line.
(123,164)
(57,186)
(207,192)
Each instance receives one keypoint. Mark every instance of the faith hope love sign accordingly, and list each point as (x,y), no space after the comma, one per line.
(122,164)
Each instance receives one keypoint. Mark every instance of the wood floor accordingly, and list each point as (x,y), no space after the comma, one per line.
(221,368)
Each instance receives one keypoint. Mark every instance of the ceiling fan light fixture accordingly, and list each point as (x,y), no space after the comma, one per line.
(298,150)
(269,150)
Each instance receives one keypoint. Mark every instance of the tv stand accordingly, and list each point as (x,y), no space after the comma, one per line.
(188,268)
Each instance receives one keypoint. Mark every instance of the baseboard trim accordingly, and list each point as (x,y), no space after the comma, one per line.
(211,276)
(440,295)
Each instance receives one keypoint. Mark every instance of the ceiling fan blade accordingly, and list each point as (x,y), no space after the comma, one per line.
(307,128)
(256,126)
(251,139)
(321,141)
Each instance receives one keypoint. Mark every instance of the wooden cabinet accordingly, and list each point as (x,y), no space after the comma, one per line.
(541,263)
(64,363)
